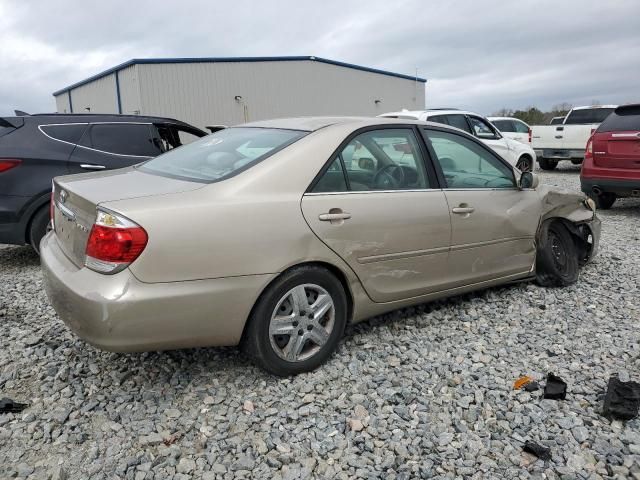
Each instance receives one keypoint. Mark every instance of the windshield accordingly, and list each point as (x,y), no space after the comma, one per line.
(222,154)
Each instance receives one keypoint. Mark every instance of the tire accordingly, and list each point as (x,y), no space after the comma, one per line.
(547,163)
(275,352)
(604,201)
(525,163)
(556,257)
(38,227)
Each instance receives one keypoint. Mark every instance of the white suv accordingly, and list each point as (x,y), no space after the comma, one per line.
(516,153)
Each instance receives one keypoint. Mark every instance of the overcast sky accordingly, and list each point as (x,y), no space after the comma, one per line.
(478,55)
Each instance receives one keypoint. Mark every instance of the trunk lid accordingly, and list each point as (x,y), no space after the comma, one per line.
(77,196)
(619,150)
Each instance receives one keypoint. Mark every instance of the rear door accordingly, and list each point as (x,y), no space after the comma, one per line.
(493,221)
(106,146)
(616,143)
(378,206)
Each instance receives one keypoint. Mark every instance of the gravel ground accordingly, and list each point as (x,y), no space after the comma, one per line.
(419,393)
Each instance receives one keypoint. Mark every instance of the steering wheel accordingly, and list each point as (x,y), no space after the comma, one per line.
(389,177)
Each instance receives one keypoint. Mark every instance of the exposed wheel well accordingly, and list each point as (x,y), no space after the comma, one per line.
(580,234)
(335,271)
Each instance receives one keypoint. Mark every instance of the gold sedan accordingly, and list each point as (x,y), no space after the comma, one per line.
(276,234)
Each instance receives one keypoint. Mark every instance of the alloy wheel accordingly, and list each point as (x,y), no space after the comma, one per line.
(301,322)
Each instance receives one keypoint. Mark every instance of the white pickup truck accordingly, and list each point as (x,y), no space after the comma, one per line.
(568,140)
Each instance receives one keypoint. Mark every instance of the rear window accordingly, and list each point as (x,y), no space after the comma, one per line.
(588,115)
(222,154)
(622,119)
(71,133)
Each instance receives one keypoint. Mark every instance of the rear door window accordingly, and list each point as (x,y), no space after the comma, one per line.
(459,121)
(71,133)
(588,115)
(622,119)
(520,127)
(439,119)
(131,139)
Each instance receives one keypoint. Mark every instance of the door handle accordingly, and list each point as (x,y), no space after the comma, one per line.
(558,136)
(328,217)
(89,166)
(463,210)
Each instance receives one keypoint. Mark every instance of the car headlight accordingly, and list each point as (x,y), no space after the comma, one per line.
(590,204)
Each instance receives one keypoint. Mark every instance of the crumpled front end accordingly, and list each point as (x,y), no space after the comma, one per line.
(578,214)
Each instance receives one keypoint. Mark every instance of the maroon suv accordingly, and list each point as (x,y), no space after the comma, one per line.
(611,167)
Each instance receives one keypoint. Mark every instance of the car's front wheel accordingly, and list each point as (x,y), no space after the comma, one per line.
(298,321)
(557,256)
(525,164)
(547,163)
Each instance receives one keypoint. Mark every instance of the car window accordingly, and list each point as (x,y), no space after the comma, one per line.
(173,136)
(222,154)
(505,125)
(123,139)
(387,159)
(521,127)
(587,115)
(333,180)
(482,129)
(439,119)
(71,133)
(465,164)
(459,121)
(556,121)
(626,118)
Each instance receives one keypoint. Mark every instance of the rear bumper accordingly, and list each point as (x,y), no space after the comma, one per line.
(120,313)
(621,187)
(559,153)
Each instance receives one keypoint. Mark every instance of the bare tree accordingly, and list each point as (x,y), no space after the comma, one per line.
(503,112)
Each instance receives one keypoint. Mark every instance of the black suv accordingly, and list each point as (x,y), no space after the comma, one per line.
(36,148)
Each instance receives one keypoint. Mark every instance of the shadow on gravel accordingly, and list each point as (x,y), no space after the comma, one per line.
(11,256)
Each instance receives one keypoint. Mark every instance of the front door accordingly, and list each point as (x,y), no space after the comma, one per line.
(493,221)
(382,213)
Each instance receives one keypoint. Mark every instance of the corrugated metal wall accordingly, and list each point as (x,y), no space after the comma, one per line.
(129,90)
(99,96)
(62,103)
(204,93)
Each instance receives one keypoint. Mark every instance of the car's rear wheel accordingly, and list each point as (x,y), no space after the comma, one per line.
(525,164)
(298,321)
(556,257)
(604,201)
(547,163)
(38,227)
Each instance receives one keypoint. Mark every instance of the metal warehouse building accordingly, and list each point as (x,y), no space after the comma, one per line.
(228,91)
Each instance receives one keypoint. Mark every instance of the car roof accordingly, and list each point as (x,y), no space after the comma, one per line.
(429,112)
(506,118)
(594,106)
(100,117)
(311,124)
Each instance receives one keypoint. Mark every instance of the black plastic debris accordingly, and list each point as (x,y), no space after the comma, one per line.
(531,386)
(556,388)
(9,406)
(622,399)
(543,453)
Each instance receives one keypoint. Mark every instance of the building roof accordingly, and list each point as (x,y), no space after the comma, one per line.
(146,61)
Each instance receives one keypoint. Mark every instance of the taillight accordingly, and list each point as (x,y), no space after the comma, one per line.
(530,134)
(114,243)
(588,153)
(8,164)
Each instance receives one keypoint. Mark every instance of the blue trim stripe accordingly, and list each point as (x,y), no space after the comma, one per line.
(147,61)
(118,92)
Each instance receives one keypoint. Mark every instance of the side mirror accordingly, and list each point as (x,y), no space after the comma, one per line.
(366,164)
(529,180)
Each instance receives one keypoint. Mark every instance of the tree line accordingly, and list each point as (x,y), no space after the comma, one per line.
(535,116)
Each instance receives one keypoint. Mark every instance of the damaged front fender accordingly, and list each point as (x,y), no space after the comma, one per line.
(574,211)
